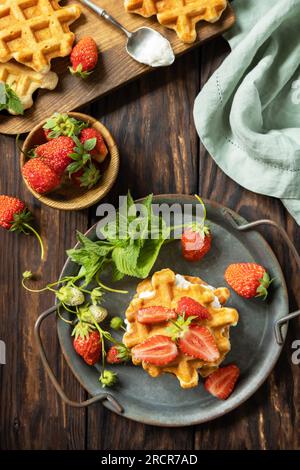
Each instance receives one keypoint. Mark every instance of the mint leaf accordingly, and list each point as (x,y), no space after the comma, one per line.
(3,97)
(148,257)
(9,99)
(13,101)
(125,258)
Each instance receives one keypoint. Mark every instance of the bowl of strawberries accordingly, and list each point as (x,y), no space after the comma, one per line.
(70,161)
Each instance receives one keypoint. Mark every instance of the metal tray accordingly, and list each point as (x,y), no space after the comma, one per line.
(256,341)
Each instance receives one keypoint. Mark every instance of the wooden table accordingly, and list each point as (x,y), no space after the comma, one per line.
(153,124)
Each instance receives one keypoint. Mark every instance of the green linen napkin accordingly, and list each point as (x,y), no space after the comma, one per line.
(248,113)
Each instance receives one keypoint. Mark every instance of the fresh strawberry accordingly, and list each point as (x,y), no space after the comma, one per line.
(56,153)
(154,314)
(158,350)
(117,354)
(39,176)
(191,308)
(222,382)
(100,151)
(199,342)
(196,240)
(11,208)
(84,57)
(15,217)
(88,347)
(248,280)
(195,243)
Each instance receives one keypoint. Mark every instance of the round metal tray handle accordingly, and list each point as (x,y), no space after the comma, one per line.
(98,398)
(250,226)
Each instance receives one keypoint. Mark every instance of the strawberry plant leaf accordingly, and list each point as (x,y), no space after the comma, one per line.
(90,144)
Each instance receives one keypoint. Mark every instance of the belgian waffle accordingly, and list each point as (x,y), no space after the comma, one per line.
(25,81)
(180,15)
(35,31)
(166,292)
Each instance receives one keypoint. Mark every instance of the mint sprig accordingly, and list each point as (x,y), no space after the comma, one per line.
(9,100)
(133,254)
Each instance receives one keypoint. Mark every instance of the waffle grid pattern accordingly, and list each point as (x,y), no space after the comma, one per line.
(180,15)
(35,31)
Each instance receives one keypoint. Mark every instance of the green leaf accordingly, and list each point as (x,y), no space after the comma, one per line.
(116,274)
(125,258)
(9,99)
(90,144)
(74,167)
(148,256)
(3,97)
(13,101)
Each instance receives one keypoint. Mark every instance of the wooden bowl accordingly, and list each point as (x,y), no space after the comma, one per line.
(72,197)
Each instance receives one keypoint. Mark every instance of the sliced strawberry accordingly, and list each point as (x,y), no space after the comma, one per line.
(199,342)
(222,382)
(158,350)
(154,314)
(191,308)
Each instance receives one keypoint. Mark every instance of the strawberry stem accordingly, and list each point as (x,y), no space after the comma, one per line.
(109,289)
(204,209)
(38,237)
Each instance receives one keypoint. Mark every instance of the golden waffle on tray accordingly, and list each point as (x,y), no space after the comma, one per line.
(166,290)
(35,31)
(180,15)
(25,81)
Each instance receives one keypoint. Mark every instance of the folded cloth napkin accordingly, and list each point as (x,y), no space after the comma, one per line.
(248,113)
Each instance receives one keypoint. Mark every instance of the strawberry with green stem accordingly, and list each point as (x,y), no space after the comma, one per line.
(248,280)
(100,151)
(118,354)
(84,57)
(196,240)
(61,124)
(15,217)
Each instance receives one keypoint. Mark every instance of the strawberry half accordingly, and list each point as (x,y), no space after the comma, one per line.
(191,308)
(222,382)
(199,342)
(154,314)
(158,350)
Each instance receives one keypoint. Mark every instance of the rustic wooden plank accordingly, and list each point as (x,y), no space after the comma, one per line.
(271,418)
(32,416)
(152,122)
(115,66)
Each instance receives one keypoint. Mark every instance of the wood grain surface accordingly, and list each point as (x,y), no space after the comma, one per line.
(114,69)
(160,152)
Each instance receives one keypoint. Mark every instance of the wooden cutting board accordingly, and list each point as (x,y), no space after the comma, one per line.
(115,67)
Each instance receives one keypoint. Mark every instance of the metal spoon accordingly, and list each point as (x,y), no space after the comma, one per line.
(145,45)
